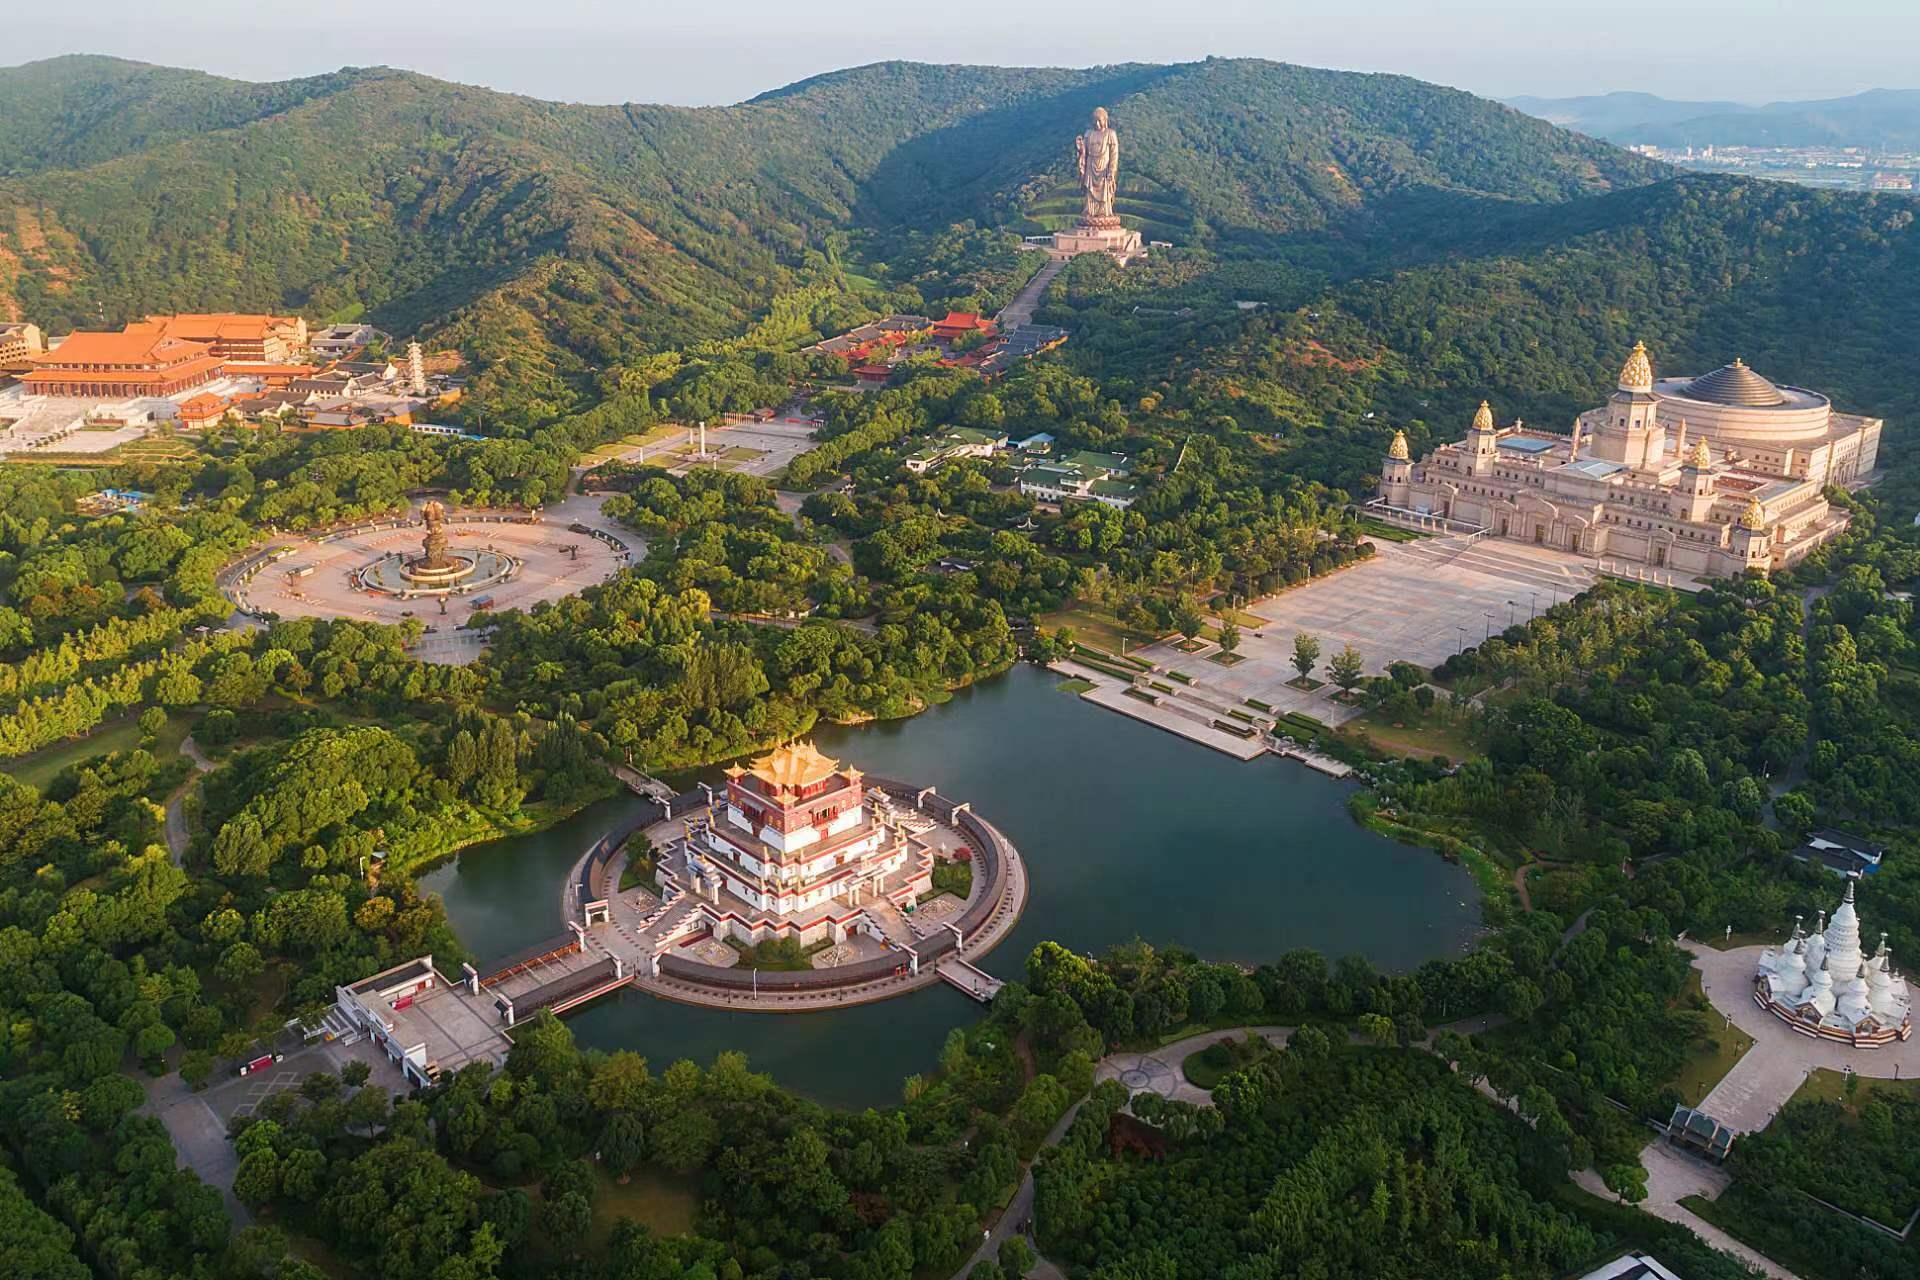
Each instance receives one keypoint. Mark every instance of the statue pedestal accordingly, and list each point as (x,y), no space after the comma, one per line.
(1115,241)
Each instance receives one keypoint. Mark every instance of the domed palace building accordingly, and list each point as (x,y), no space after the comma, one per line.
(1705,476)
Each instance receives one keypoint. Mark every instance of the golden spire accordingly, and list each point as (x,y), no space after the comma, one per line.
(1699,458)
(1637,373)
(1753,517)
(1483,417)
(1398,449)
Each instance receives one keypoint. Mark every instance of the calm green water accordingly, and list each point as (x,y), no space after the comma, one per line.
(1127,831)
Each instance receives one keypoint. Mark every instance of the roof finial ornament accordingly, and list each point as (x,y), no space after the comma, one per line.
(1483,417)
(1637,373)
(1753,517)
(1398,449)
(1699,459)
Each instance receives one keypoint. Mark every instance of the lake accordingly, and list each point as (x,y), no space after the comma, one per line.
(1127,831)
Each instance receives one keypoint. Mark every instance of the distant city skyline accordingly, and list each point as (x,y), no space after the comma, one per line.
(696,55)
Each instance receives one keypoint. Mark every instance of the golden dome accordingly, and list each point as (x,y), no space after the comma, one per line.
(1698,457)
(1398,449)
(1637,373)
(1753,517)
(1483,417)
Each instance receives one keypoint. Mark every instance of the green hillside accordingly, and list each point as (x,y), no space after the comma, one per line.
(569,239)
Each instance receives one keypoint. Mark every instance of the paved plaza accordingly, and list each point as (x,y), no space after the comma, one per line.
(754,448)
(1781,1059)
(554,562)
(1417,602)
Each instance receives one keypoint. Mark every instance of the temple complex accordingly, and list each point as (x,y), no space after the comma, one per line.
(1822,984)
(799,848)
(1713,475)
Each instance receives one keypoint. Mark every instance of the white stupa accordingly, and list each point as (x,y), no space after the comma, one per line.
(1822,984)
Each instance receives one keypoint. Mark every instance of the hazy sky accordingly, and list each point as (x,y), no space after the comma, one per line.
(725,50)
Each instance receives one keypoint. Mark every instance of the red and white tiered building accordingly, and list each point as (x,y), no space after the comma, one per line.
(800,849)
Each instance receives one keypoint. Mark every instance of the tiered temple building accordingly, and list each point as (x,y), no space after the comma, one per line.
(1712,475)
(1823,985)
(800,849)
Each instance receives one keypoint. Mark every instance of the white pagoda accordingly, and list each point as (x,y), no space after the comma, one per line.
(1822,984)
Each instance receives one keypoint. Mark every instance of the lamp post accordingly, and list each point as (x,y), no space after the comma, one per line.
(1488,615)
(1511,606)
(1533,605)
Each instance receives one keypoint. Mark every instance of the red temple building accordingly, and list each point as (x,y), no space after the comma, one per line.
(958,324)
(139,361)
(800,850)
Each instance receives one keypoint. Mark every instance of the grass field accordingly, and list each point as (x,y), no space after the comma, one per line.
(1425,737)
(664,431)
(1074,684)
(1831,1086)
(1094,626)
(1710,1056)
(40,768)
(657,1201)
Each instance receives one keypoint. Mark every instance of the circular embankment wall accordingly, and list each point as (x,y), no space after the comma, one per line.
(987,919)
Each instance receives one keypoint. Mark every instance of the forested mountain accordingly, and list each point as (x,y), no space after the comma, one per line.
(592,234)
(1877,118)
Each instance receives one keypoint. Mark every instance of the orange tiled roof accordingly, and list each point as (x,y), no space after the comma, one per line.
(262,369)
(204,405)
(217,325)
(144,343)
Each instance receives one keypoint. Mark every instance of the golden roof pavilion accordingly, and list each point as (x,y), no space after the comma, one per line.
(793,765)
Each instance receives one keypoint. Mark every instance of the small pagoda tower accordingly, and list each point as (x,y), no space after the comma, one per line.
(1396,472)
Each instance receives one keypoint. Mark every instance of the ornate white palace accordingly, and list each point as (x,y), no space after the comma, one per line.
(798,847)
(1713,475)
(1821,985)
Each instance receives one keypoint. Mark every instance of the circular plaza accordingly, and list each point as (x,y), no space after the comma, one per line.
(435,564)
(803,884)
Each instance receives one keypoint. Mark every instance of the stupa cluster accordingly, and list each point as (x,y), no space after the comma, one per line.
(1822,984)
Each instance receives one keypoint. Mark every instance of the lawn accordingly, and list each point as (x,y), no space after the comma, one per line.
(41,767)
(658,1201)
(1205,1068)
(1427,735)
(1831,1086)
(782,954)
(1709,1056)
(1074,684)
(664,431)
(1095,626)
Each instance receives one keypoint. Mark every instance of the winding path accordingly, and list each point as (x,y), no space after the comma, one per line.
(176,825)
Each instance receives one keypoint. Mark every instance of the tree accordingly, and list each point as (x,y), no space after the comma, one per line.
(1229,636)
(1187,619)
(1377,1028)
(1627,1181)
(257,1179)
(1344,668)
(152,721)
(1016,1256)
(355,1074)
(1306,654)
(623,1144)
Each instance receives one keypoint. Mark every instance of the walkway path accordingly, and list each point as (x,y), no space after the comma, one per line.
(1020,311)
(176,826)
(1672,1176)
